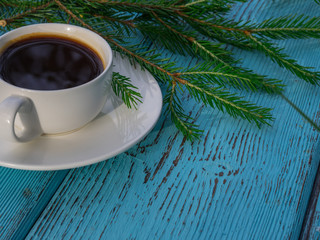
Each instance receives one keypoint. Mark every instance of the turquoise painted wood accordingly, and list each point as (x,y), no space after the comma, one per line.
(237,182)
(311,226)
(23,196)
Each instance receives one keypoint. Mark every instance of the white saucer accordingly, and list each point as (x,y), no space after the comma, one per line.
(114,131)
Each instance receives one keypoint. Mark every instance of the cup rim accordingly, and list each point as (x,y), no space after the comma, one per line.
(106,68)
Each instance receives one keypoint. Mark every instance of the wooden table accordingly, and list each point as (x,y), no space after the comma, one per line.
(237,182)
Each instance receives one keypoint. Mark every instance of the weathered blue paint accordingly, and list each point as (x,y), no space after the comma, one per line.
(23,196)
(237,182)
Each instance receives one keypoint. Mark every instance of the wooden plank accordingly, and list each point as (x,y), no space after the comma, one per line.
(311,223)
(23,196)
(238,182)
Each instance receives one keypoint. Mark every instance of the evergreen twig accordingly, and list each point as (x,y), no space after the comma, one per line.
(122,87)
(191,28)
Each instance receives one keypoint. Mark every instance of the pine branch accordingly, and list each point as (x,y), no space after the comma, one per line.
(19,12)
(192,28)
(212,51)
(182,121)
(206,49)
(224,75)
(141,6)
(123,88)
(282,59)
(232,104)
(289,27)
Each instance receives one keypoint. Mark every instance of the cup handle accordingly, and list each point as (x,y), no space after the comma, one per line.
(30,126)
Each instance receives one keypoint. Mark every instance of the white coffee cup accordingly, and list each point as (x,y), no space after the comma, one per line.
(26,114)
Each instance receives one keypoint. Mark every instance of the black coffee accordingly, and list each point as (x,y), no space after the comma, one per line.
(49,63)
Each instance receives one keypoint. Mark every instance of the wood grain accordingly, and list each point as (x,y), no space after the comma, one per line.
(23,196)
(237,182)
(311,224)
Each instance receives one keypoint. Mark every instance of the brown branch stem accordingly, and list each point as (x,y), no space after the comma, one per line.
(129,23)
(137,5)
(185,16)
(6,21)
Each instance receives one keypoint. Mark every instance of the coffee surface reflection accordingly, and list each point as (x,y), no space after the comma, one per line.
(49,63)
